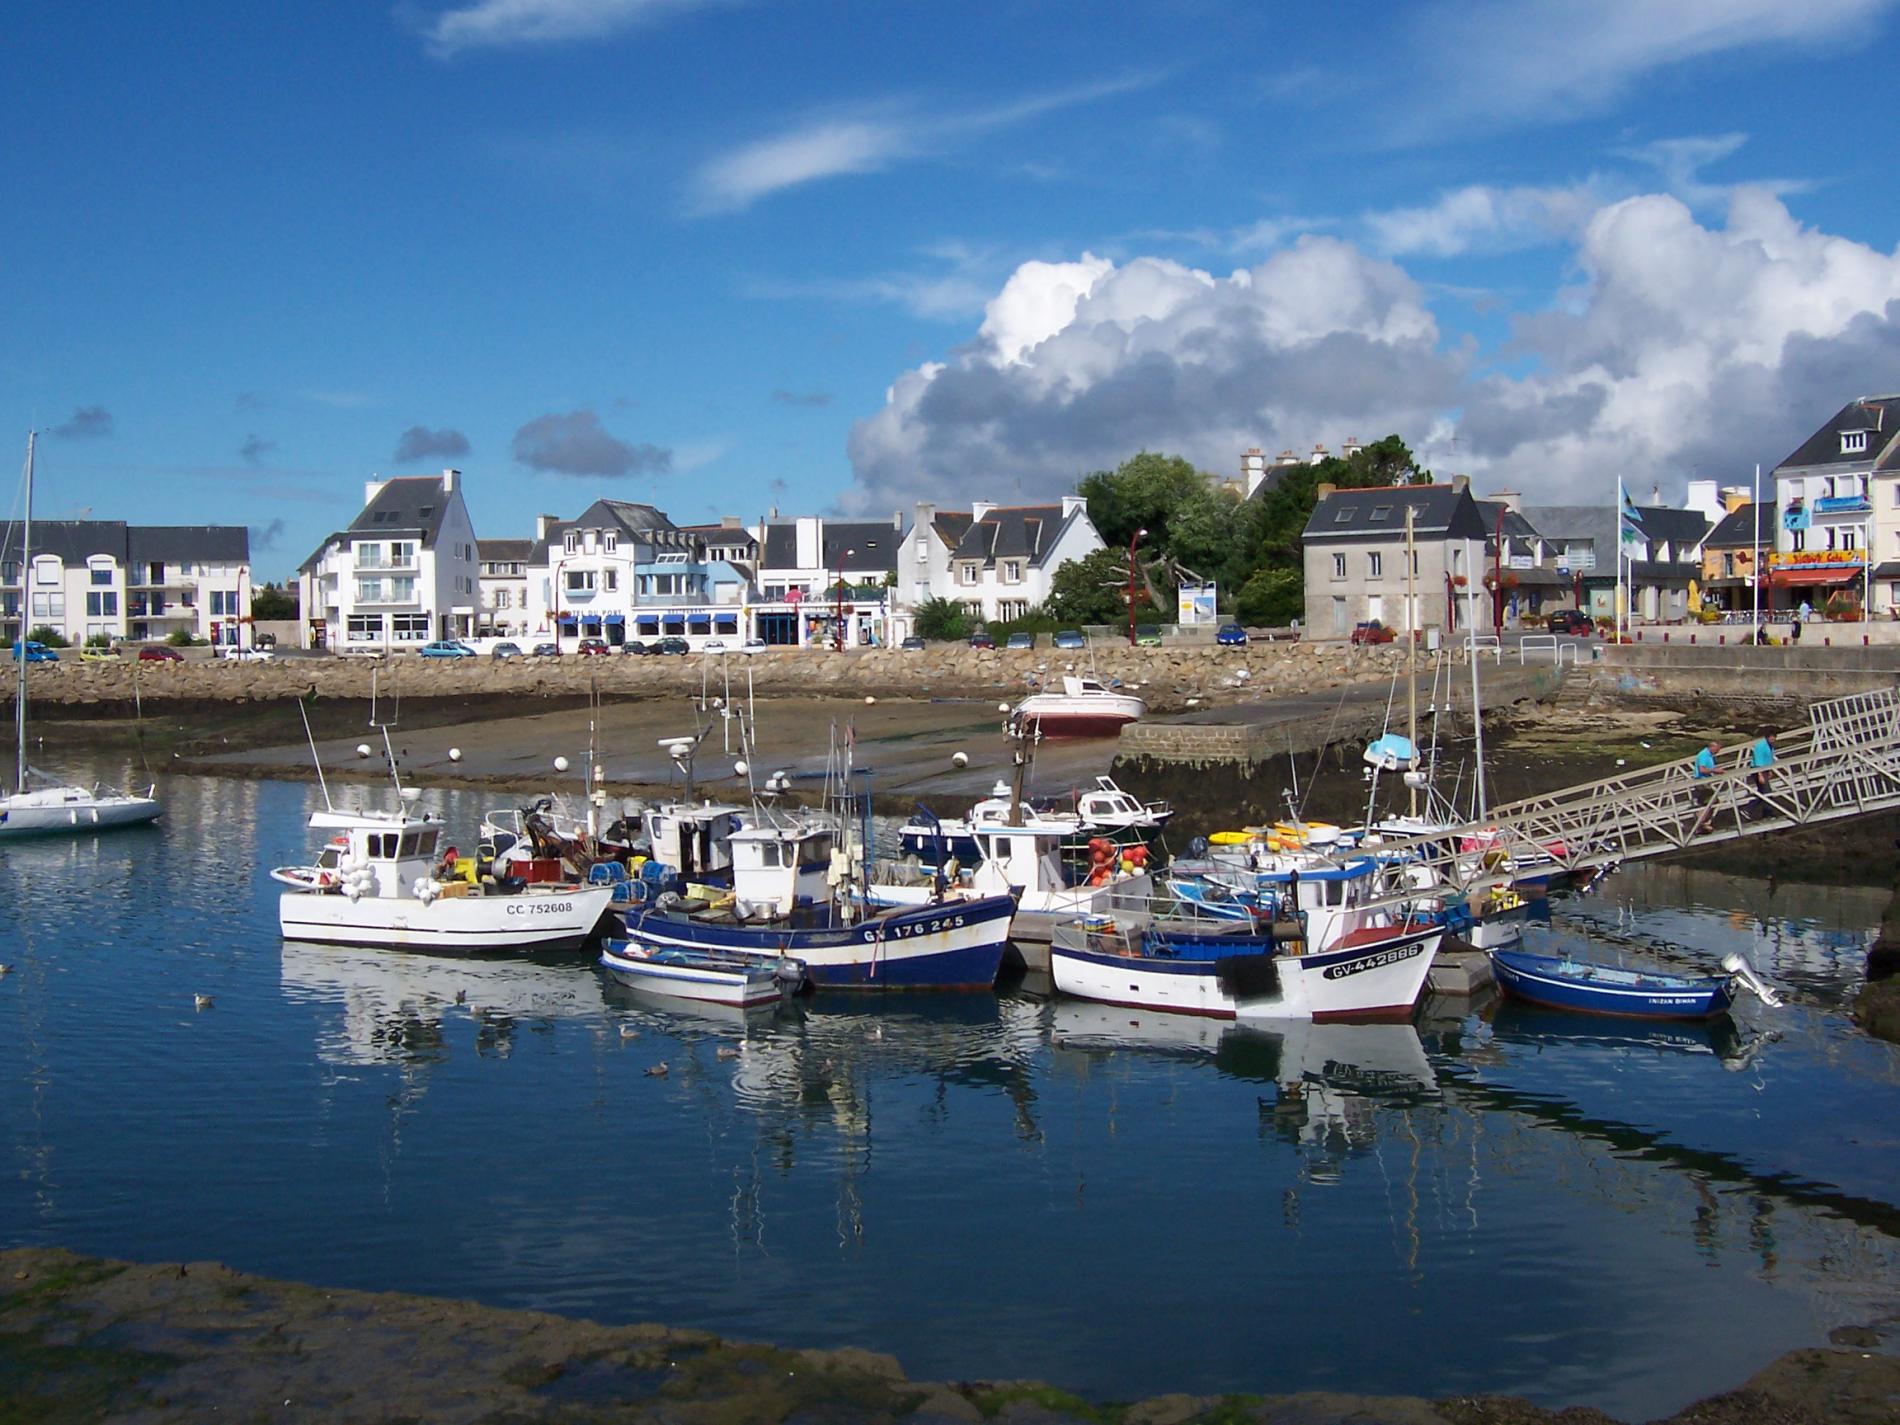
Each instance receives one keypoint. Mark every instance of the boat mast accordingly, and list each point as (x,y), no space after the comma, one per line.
(26,574)
(1411,665)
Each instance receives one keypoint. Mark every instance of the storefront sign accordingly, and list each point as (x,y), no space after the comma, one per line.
(1816,559)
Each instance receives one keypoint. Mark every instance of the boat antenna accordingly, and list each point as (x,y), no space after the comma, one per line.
(26,574)
(1411,657)
(303,711)
(389,750)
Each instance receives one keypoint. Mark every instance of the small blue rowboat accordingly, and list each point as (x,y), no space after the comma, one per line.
(1590,988)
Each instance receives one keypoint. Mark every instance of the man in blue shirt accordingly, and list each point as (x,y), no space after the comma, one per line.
(1761,756)
(1704,769)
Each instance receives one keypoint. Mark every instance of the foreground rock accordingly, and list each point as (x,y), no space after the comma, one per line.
(89,1340)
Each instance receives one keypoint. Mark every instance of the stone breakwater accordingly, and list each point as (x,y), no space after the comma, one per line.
(89,1340)
(1170,678)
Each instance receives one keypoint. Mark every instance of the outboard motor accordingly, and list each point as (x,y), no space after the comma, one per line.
(1739,967)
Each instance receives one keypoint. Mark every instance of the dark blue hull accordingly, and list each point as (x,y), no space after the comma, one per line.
(1588,988)
(954,945)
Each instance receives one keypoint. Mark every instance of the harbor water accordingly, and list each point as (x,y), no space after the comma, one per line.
(986,1186)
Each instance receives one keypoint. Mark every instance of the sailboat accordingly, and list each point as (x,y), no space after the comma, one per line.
(54,810)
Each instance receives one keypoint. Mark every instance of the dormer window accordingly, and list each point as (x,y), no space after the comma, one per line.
(610,541)
(1344,516)
(1853,442)
(571,542)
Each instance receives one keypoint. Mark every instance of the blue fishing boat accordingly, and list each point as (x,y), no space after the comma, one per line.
(1587,987)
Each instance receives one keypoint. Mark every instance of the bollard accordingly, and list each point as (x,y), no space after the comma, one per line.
(1720,639)
(1665,635)
(1692,638)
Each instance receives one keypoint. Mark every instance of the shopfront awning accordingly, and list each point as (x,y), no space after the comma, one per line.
(1808,578)
(614,619)
(566,620)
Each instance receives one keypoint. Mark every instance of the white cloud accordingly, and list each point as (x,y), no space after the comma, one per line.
(497,24)
(1687,346)
(1563,57)
(1485,219)
(866,143)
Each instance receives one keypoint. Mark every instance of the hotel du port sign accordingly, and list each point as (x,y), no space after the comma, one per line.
(1815,559)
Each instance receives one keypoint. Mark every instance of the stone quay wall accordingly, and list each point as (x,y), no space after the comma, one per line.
(1170,678)
(1741,680)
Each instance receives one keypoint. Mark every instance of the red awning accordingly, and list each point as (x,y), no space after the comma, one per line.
(1789,578)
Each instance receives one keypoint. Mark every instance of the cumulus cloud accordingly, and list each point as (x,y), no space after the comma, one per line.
(87,423)
(1686,347)
(419,442)
(255,448)
(577,444)
(1484,219)
(1566,57)
(497,24)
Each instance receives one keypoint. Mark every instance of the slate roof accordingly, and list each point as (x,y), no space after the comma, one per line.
(1879,416)
(1682,529)
(1378,514)
(76,541)
(504,551)
(1028,532)
(1741,527)
(636,520)
(874,542)
(951,526)
(408,504)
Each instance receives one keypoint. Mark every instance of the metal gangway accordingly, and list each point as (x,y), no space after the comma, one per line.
(1845,762)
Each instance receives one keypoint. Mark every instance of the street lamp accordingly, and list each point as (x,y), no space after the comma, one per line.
(838,633)
(559,565)
(1139,535)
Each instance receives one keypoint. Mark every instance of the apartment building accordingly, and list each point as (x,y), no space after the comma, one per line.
(104,579)
(404,573)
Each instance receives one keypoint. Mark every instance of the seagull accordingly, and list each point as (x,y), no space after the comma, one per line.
(657,1071)
(627,1031)
(5,970)
(728,1051)
(201,1001)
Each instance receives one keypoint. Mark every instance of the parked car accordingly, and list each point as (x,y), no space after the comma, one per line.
(754,645)
(671,645)
(633,648)
(1231,635)
(1371,631)
(1147,635)
(547,650)
(92,654)
(980,639)
(1572,622)
(913,644)
(1021,640)
(35,652)
(505,650)
(713,645)
(447,648)
(594,647)
(252,655)
(1071,638)
(160,655)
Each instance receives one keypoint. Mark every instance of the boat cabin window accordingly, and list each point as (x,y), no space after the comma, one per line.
(425,843)
(381,845)
(815,852)
(1335,892)
(769,853)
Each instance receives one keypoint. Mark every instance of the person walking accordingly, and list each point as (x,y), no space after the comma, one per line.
(1703,770)
(1794,625)
(1761,761)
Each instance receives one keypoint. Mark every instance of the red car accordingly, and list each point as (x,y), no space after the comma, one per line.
(160,655)
(1372,631)
(596,646)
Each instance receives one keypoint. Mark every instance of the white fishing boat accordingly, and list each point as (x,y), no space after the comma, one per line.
(1104,810)
(376,882)
(1084,708)
(54,810)
(705,976)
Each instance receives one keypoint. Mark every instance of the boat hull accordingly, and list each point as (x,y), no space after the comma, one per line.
(952,945)
(554,920)
(1374,976)
(1586,988)
(69,812)
(705,979)
(1061,721)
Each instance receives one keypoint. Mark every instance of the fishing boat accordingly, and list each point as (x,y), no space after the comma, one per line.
(708,977)
(378,881)
(1084,708)
(1589,987)
(1103,810)
(54,810)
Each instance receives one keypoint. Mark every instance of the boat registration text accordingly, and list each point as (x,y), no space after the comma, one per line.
(922,927)
(1373,962)
(541,908)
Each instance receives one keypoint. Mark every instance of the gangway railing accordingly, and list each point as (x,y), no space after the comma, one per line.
(1545,643)
(1845,762)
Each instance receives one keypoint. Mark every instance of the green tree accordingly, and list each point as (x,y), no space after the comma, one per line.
(272,604)
(941,621)
(47,635)
(1272,597)
(1093,589)
(1143,492)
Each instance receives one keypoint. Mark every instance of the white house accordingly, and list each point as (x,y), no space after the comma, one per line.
(503,581)
(107,579)
(403,574)
(1838,496)
(995,560)
(804,562)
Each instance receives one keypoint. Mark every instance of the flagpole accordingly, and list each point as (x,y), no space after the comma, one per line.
(1620,605)
(1755,565)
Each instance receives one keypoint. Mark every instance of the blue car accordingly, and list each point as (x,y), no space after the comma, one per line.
(447,648)
(1232,635)
(1071,638)
(36,652)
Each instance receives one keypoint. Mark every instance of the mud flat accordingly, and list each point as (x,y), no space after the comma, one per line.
(82,1339)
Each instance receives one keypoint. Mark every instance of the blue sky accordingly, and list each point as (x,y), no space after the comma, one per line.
(725,255)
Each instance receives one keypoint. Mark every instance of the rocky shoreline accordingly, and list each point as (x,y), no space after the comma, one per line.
(85,1339)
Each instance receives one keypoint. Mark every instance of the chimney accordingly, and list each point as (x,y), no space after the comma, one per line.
(980,508)
(809,542)
(1319,453)
(1461,482)
(1324,488)
(1510,499)
(729,522)
(371,489)
(1253,469)
(544,523)
(1074,505)
(449,477)
(897,520)
(1286,457)
(1352,447)
(1655,494)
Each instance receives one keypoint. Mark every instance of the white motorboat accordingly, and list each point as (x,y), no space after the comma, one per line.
(54,810)
(1104,810)
(705,976)
(376,883)
(1084,708)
